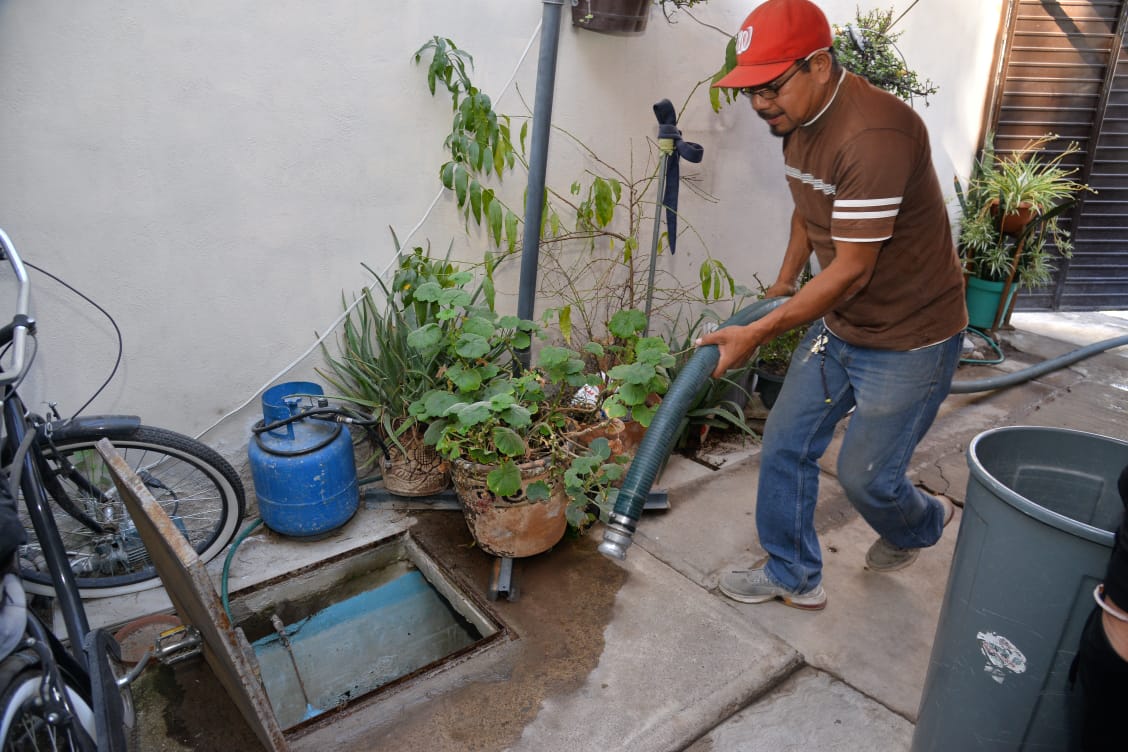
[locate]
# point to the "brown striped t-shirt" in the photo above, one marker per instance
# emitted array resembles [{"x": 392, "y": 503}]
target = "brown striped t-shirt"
[{"x": 861, "y": 171}]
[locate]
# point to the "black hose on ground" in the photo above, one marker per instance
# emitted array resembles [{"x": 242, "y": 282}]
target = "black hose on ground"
[
  {"x": 1033, "y": 372},
  {"x": 660, "y": 436}
]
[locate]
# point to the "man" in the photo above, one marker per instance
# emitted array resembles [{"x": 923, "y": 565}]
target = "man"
[
  {"x": 1102, "y": 657},
  {"x": 889, "y": 294}
]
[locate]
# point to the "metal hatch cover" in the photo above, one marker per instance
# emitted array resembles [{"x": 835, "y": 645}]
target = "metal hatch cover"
[{"x": 196, "y": 601}]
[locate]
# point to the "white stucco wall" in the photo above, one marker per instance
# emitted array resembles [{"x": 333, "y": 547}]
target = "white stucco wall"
[{"x": 214, "y": 173}]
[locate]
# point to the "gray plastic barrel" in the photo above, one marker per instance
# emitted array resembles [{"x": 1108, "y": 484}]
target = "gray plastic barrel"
[{"x": 1035, "y": 538}]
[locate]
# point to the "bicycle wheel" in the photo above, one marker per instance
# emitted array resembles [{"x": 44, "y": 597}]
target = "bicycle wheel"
[
  {"x": 25, "y": 724},
  {"x": 199, "y": 489}
]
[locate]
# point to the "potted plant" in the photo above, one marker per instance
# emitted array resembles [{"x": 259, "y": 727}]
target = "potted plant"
[
  {"x": 637, "y": 368},
  {"x": 592, "y": 278},
  {"x": 377, "y": 369},
  {"x": 1009, "y": 231},
  {"x": 590, "y": 265},
  {"x": 633, "y": 373},
  {"x": 772, "y": 361},
  {"x": 503, "y": 426}
]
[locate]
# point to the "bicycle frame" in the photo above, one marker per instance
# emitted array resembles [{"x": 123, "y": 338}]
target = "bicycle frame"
[
  {"x": 37, "y": 503},
  {"x": 20, "y": 322},
  {"x": 86, "y": 656},
  {"x": 31, "y": 484}
]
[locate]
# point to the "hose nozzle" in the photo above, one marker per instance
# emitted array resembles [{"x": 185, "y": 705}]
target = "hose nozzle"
[{"x": 617, "y": 537}]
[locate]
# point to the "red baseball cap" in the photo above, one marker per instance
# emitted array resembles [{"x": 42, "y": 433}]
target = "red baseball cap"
[{"x": 775, "y": 35}]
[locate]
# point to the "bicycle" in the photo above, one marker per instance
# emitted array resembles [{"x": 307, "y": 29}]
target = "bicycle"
[
  {"x": 72, "y": 537},
  {"x": 196, "y": 486}
]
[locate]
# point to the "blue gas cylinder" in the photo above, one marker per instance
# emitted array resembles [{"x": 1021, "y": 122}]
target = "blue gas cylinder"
[{"x": 304, "y": 472}]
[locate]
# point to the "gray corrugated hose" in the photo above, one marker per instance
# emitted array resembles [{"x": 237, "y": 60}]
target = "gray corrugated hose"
[
  {"x": 1033, "y": 372},
  {"x": 660, "y": 436}
]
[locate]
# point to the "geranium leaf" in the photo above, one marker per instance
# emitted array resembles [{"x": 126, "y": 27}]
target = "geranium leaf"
[
  {"x": 627, "y": 323},
  {"x": 425, "y": 337},
  {"x": 508, "y": 442},
  {"x": 471, "y": 346},
  {"x": 473, "y": 414},
  {"x": 466, "y": 379},
  {"x": 516, "y": 416},
  {"x": 505, "y": 479},
  {"x": 538, "y": 490}
]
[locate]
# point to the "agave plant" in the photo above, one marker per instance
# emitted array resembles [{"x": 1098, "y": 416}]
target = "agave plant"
[{"x": 375, "y": 365}]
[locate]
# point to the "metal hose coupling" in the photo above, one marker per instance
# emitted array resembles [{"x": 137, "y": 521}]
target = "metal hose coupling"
[{"x": 617, "y": 536}]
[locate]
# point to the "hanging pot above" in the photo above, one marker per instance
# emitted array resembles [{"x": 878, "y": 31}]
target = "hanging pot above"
[{"x": 611, "y": 15}]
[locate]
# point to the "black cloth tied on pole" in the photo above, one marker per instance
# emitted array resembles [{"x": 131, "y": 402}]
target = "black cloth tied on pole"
[{"x": 668, "y": 129}]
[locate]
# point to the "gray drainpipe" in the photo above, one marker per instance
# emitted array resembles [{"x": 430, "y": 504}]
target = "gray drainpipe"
[{"x": 538, "y": 159}]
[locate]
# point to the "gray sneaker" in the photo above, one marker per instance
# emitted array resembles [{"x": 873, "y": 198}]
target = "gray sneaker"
[
  {"x": 753, "y": 586},
  {"x": 883, "y": 556}
]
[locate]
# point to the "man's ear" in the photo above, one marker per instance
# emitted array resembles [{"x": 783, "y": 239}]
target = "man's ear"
[{"x": 822, "y": 67}]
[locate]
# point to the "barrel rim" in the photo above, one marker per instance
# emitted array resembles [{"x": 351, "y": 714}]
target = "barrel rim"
[{"x": 1026, "y": 506}]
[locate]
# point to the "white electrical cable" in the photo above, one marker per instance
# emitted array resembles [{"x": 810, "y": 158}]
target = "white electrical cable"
[{"x": 403, "y": 244}]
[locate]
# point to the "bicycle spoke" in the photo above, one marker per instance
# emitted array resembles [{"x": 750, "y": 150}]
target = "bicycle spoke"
[{"x": 196, "y": 488}]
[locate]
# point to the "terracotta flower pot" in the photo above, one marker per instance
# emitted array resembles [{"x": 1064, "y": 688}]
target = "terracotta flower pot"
[
  {"x": 1015, "y": 222},
  {"x": 624, "y": 436},
  {"x": 510, "y": 526}
]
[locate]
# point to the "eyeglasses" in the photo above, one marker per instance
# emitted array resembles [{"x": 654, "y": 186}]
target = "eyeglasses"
[{"x": 768, "y": 92}]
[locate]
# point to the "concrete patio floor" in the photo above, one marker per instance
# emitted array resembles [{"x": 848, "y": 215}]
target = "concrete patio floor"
[{"x": 646, "y": 654}]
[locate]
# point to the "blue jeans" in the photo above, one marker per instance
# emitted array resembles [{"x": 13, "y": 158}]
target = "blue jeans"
[{"x": 896, "y": 396}]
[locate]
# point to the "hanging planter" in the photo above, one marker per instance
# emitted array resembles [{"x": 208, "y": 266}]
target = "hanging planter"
[{"x": 623, "y": 16}]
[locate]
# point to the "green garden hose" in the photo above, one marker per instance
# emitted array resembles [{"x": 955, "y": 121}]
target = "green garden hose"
[{"x": 227, "y": 562}]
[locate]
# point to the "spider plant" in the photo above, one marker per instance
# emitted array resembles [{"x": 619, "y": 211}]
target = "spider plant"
[{"x": 1002, "y": 185}]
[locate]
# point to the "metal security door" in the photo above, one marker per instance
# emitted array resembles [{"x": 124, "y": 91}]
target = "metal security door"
[{"x": 1063, "y": 69}]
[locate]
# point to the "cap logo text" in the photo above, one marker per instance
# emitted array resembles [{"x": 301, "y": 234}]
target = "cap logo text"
[{"x": 744, "y": 39}]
